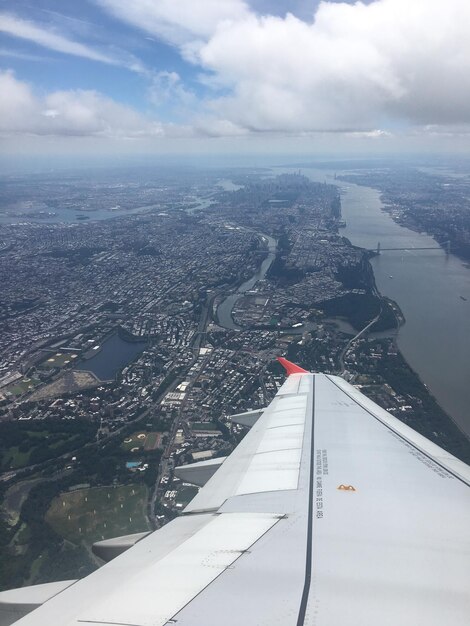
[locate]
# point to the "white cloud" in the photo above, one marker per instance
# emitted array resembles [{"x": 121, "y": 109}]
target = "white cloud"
[
  {"x": 177, "y": 21},
  {"x": 54, "y": 40},
  {"x": 218, "y": 128},
  {"x": 168, "y": 87},
  {"x": 353, "y": 67},
  {"x": 75, "y": 113},
  {"x": 86, "y": 113},
  {"x": 395, "y": 65},
  {"x": 23, "y": 29},
  {"x": 24, "y": 56},
  {"x": 17, "y": 103}
]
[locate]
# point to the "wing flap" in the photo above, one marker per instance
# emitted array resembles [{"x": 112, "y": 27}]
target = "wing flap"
[
  {"x": 182, "y": 574},
  {"x": 269, "y": 457},
  {"x": 199, "y": 473}
]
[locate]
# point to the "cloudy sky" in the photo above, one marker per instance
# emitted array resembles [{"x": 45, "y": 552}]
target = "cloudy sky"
[{"x": 275, "y": 75}]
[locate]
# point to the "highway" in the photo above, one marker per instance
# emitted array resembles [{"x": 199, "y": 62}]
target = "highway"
[{"x": 355, "y": 338}]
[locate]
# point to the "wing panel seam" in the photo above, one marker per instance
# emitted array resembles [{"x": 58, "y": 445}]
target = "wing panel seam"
[
  {"x": 173, "y": 618},
  {"x": 308, "y": 559},
  {"x": 400, "y": 435}
]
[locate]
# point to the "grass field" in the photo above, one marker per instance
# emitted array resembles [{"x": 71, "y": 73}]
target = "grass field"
[
  {"x": 13, "y": 458},
  {"x": 203, "y": 426},
  {"x": 24, "y": 385},
  {"x": 134, "y": 442},
  {"x": 141, "y": 440},
  {"x": 152, "y": 441},
  {"x": 90, "y": 515}
]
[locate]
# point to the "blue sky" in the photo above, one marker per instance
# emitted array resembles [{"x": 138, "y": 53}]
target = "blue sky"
[
  {"x": 158, "y": 75},
  {"x": 87, "y": 23}
]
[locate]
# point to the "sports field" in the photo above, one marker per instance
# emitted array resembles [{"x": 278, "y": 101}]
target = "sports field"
[
  {"x": 59, "y": 359},
  {"x": 203, "y": 426},
  {"x": 88, "y": 515},
  {"x": 152, "y": 441},
  {"x": 141, "y": 440}
]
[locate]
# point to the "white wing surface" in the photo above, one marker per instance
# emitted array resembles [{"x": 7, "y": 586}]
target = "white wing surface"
[{"x": 329, "y": 512}]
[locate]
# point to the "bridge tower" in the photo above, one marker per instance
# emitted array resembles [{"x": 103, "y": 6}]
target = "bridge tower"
[{"x": 378, "y": 247}]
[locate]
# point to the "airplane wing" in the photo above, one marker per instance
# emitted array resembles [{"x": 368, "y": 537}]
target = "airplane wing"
[{"x": 329, "y": 512}]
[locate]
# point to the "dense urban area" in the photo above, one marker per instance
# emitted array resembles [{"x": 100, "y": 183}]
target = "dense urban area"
[{"x": 139, "y": 310}]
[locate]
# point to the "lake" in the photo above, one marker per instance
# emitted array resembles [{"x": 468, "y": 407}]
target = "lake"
[{"x": 114, "y": 354}]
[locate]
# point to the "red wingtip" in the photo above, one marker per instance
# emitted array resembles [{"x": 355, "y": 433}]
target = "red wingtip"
[{"x": 291, "y": 368}]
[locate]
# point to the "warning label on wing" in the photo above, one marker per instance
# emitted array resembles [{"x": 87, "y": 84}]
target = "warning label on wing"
[{"x": 321, "y": 470}]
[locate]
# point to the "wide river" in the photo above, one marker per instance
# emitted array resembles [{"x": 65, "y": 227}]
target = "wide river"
[{"x": 428, "y": 285}]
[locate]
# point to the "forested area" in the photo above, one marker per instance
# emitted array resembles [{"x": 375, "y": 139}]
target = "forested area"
[{"x": 32, "y": 442}]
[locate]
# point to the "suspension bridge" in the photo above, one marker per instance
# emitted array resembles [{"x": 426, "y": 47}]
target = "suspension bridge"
[{"x": 445, "y": 245}]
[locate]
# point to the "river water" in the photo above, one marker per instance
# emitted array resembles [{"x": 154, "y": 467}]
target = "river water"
[
  {"x": 428, "y": 285},
  {"x": 224, "y": 310}
]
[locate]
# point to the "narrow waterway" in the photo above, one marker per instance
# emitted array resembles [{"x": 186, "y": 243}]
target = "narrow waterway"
[
  {"x": 431, "y": 288},
  {"x": 224, "y": 310}
]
